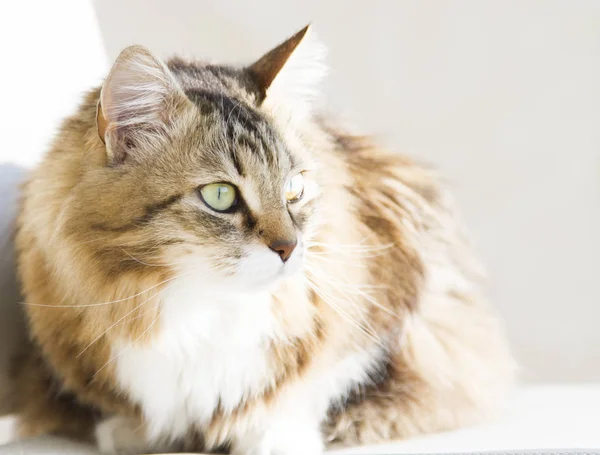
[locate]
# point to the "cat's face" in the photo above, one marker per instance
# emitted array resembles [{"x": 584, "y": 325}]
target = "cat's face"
[
  {"x": 199, "y": 177},
  {"x": 244, "y": 200}
]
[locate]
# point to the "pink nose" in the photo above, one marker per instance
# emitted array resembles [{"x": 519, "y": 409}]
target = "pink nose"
[{"x": 284, "y": 248}]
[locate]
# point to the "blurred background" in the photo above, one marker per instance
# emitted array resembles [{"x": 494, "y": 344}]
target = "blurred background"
[{"x": 502, "y": 96}]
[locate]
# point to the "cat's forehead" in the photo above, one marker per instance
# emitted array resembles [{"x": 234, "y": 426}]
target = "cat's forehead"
[
  {"x": 214, "y": 78},
  {"x": 240, "y": 137},
  {"x": 236, "y": 137}
]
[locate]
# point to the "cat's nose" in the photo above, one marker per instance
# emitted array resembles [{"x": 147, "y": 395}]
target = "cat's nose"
[{"x": 284, "y": 248}]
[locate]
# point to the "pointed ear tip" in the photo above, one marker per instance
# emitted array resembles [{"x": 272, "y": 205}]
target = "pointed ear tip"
[
  {"x": 305, "y": 31},
  {"x": 308, "y": 33}
]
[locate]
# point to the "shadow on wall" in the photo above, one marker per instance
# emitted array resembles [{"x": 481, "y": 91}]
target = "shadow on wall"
[{"x": 12, "y": 332}]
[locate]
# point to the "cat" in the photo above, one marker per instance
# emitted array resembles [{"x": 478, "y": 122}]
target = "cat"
[{"x": 210, "y": 264}]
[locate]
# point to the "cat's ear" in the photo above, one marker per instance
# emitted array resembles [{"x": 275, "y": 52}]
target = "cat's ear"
[
  {"x": 136, "y": 102},
  {"x": 292, "y": 71}
]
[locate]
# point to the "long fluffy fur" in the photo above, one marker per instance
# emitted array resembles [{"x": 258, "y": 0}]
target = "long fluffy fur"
[{"x": 384, "y": 331}]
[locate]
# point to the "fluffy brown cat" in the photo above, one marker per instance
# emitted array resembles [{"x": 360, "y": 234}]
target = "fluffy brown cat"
[{"x": 207, "y": 264}]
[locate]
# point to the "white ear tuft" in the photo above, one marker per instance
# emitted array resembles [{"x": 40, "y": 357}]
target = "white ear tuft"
[
  {"x": 303, "y": 72},
  {"x": 292, "y": 71}
]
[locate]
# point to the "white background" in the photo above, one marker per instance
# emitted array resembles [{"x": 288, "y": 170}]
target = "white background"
[{"x": 503, "y": 96}]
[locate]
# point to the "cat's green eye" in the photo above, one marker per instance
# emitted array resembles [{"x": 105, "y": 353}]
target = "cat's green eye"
[
  {"x": 220, "y": 197},
  {"x": 294, "y": 189}
]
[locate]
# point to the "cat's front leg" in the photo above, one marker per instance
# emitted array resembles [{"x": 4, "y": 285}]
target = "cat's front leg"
[{"x": 284, "y": 433}]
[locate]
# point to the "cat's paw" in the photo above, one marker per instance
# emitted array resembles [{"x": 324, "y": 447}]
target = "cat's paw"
[
  {"x": 120, "y": 436},
  {"x": 282, "y": 439}
]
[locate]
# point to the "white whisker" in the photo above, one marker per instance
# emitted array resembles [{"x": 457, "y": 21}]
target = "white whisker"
[
  {"x": 101, "y": 303},
  {"x": 349, "y": 288},
  {"x": 123, "y": 317},
  {"x": 326, "y": 298},
  {"x": 112, "y": 359},
  {"x": 170, "y": 264},
  {"x": 218, "y": 267}
]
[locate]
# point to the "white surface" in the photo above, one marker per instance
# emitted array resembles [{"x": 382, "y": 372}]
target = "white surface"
[
  {"x": 47, "y": 446},
  {"x": 541, "y": 417},
  {"x": 7, "y": 428}
]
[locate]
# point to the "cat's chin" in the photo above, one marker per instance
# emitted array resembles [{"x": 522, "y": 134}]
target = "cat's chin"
[
  {"x": 287, "y": 271},
  {"x": 253, "y": 279}
]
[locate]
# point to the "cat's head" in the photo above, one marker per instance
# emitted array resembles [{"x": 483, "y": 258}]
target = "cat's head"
[{"x": 205, "y": 168}]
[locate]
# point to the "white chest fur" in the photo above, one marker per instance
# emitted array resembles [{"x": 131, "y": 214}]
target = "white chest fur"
[{"x": 211, "y": 351}]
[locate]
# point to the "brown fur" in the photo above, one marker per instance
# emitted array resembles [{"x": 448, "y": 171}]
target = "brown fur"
[{"x": 97, "y": 228}]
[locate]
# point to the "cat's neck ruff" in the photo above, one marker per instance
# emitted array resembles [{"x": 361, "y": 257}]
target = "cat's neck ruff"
[
  {"x": 210, "y": 350},
  {"x": 210, "y": 317}
]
